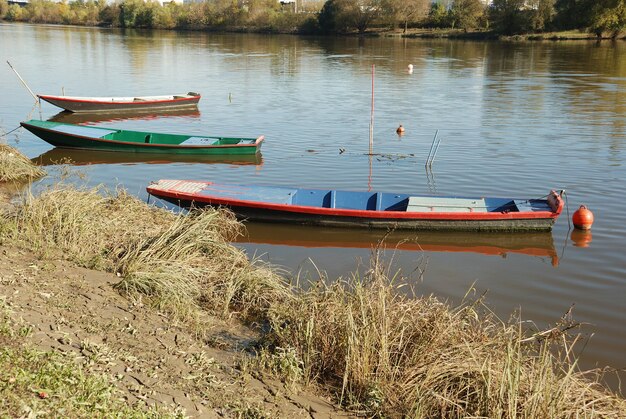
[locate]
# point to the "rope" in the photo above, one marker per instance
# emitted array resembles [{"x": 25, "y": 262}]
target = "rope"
[
  {"x": 569, "y": 220},
  {"x": 14, "y": 129}
]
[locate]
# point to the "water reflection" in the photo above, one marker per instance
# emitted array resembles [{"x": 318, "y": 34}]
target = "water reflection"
[
  {"x": 94, "y": 118},
  {"x": 530, "y": 244},
  {"x": 58, "y": 156},
  {"x": 581, "y": 238}
]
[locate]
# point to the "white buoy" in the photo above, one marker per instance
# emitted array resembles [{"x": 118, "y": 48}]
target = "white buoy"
[{"x": 410, "y": 68}]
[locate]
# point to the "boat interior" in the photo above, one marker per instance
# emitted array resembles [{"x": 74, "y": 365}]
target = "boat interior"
[
  {"x": 371, "y": 201},
  {"x": 146, "y": 137}
]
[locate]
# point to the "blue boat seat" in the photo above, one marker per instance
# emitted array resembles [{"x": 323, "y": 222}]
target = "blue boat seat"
[{"x": 83, "y": 131}]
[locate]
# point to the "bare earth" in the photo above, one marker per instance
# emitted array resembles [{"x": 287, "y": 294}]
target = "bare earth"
[{"x": 76, "y": 311}]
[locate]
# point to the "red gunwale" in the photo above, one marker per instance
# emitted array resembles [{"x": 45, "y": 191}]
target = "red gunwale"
[
  {"x": 101, "y": 102},
  {"x": 362, "y": 213},
  {"x": 256, "y": 143}
]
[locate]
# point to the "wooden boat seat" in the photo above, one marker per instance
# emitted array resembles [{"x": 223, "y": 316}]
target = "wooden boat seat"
[
  {"x": 436, "y": 204},
  {"x": 198, "y": 141},
  {"x": 84, "y": 131}
]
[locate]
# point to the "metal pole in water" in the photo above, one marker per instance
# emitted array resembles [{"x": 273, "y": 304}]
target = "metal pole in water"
[
  {"x": 432, "y": 147},
  {"x": 432, "y": 160},
  {"x": 22, "y": 80},
  {"x": 372, "y": 116}
]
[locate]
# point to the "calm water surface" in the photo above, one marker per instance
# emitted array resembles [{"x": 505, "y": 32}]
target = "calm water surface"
[{"x": 515, "y": 119}]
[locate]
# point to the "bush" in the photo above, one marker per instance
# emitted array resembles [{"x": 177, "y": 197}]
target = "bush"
[{"x": 4, "y": 8}]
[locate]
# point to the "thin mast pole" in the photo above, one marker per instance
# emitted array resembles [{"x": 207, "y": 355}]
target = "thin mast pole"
[{"x": 22, "y": 80}]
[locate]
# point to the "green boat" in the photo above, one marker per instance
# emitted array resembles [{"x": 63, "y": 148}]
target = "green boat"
[{"x": 110, "y": 139}]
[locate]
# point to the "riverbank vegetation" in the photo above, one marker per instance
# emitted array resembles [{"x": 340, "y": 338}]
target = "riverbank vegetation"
[
  {"x": 366, "y": 342},
  {"x": 459, "y": 18},
  {"x": 15, "y": 167}
]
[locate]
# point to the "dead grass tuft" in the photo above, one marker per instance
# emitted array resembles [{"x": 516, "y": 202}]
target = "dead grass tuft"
[
  {"x": 14, "y": 166},
  {"x": 388, "y": 354},
  {"x": 181, "y": 263}
]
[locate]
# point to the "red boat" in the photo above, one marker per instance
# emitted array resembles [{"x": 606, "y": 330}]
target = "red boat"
[
  {"x": 365, "y": 209},
  {"x": 117, "y": 104}
]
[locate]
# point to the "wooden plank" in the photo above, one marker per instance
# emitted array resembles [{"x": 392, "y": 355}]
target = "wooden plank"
[{"x": 436, "y": 204}]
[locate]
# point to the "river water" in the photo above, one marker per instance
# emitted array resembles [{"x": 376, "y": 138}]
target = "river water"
[{"x": 514, "y": 119}]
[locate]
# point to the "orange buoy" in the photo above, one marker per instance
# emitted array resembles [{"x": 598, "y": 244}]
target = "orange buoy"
[
  {"x": 581, "y": 238},
  {"x": 400, "y": 130},
  {"x": 582, "y": 218}
]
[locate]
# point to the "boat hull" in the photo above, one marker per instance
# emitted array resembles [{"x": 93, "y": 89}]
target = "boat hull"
[
  {"x": 190, "y": 194},
  {"x": 97, "y": 106},
  {"x": 46, "y": 131},
  {"x": 419, "y": 224}
]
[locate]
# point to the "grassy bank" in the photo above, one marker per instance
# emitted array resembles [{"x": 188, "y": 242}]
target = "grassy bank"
[
  {"x": 15, "y": 167},
  {"x": 365, "y": 342},
  {"x": 362, "y": 341}
]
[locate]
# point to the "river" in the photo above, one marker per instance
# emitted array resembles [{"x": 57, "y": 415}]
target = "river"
[{"x": 514, "y": 119}]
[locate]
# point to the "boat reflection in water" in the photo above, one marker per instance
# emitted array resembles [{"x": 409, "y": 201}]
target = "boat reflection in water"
[
  {"x": 78, "y": 157},
  {"x": 95, "y": 118},
  {"x": 539, "y": 244}
]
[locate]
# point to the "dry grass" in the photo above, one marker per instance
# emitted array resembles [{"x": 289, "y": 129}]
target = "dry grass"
[
  {"x": 388, "y": 354},
  {"x": 378, "y": 350},
  {"x": 14, "y": 166},
  {"x": 181, "y": 263}
]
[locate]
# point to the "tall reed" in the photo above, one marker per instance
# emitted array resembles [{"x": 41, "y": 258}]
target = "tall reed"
[{"x": 385, "y": 353}]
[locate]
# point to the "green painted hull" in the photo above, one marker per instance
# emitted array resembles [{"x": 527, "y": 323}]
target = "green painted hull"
[{"x": 107, "y": 139}]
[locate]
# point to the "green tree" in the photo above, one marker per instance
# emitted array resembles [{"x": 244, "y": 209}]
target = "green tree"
[
  {"x": 608, "y": 16},
  {"x": 4, "y": 8},
  {"x": 405, "y": 11},
  {"x": 542, "y": 14},
  {"x": 340, "y": 16},
  {"x": 438, "y": 16},
  {"x": 509, "y": 17},
  {"x": 572, "y": 14},
  {"x": 466, "y": 14}
]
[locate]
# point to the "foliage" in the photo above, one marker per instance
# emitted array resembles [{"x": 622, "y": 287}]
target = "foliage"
[
  {"x": 405, "y": 11},
  {"x": 4, "y": 8},
  {"x": 542, "y": 14},
  {"x": 608, "y": 16},
  {"x": 438, "y": 16},
  {"x": 572, "y": 14},
  {"x": 466, "y": 14},
  {"x": 509, "y": 17},
  {"x": 341, "y": 16},
  {"x": 506, "y": 17}
]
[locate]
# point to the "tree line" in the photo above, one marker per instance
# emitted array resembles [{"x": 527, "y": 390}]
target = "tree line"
[{"x": 501, "y": 17}]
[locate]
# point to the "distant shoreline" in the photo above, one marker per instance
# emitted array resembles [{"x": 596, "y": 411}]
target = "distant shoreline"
[{"x": 418, "y": 33}]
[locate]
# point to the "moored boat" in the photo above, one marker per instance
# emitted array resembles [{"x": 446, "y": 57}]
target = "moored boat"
[
  {"x": 126, "y": 103},
  {"x": 365, "y": 209},
  {"x": 111, "y": 139}
]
